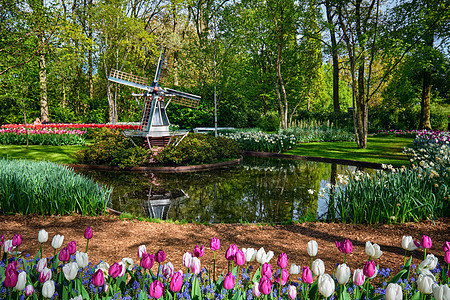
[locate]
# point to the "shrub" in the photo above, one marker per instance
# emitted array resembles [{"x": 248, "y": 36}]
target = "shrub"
[
  {"x": 269, "y": 122},
  {"x": 110, "y": 147},
  {"x": 197, "y": 149},
  {"x": 47, "y": 188}
]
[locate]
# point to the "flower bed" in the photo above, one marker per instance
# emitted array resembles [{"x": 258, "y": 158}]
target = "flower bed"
[
  {"x": 42, "y": 136},
  {"x": 70, "y": 275},
  {"x": 74, "y": 126}
]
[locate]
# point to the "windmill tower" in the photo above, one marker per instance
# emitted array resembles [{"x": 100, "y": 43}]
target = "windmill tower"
[{"x": 154, "y": 122}]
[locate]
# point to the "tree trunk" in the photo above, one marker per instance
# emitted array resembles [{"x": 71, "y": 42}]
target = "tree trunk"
[
  {"x": 334, "y": 54},
  {"x": 361, "y": 108},
  {"x": 43, "y": 83},
  {"x": 425, "y": 104},
  {"x": 284, "y": 107}
]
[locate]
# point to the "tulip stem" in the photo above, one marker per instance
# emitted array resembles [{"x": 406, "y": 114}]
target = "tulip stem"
[
  {"x": 87, "y": 244},
  {"x": 345, "y": 257},
  {"x": 404, "y": 261},
  {"x": 311, "y": 262},
  {"x": 425, "y": 254},
  {"x": 41, "y": 251},
  {"x": 214, "y": 266}
]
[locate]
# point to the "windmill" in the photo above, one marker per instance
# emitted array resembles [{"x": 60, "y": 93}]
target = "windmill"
[{"x": 154, "y": 121}]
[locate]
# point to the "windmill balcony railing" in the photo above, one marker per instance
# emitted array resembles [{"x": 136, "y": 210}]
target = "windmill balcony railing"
[{"x": 128, "y": 77}]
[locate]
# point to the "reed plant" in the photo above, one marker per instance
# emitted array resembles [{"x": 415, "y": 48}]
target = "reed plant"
[{"x": 45, "y": 188}]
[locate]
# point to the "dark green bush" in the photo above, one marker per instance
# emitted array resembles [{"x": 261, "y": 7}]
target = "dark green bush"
[
  {"x": 110, "y": 147},
  {"x": 270, "y": 121},
  {"x": 197, "y": 149}
]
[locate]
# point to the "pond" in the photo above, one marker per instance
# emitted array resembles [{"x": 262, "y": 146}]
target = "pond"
[{"x": 260, "y": 190}]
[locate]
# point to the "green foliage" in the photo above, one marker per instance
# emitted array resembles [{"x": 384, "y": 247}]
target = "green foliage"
[
  {"x": 17, "y": 136},
  {"x": 110, "y": 147},
  {"x": 269, "y": 121},
  {"x": 45, "y": 188},
  {"x": 197, "y": 149},
  {"x": 314, "y": 118}
]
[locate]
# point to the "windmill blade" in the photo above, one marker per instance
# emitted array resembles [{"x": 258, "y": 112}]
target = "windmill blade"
[
  {"x": 128, "y": 79},
  {"x": 183, "y": 98},
  {"x": 159, "y": 67},
  {"x": 183, "y": 94}
]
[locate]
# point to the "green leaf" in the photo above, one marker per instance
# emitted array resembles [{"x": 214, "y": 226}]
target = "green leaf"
[
  {"x": 142, "y": 295},
  {"x": 196, "y": 293},
  {"x": 313, "y": 290},
  {"x": 416, "y": 296},
  {"x": 345, "y": 295},
  {"x": 257, "y": 276},
  {"x": 237, "y": 296}
]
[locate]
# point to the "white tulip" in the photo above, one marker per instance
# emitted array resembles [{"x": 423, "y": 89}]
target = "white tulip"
[
  {"x": 262, "y": 257},
  {"x": 42, "y": 236},
  {"x": 21, "y": 281},
  {"x": 41, "y": 265},
  {"x": 128, "y": 262},
  {"x": 70, "y": 270},
  {"x": 8, "y": 246},
  {"x": 318, "y": 267},
  {"x": 141, "y": 250},
  {"x": 250, "y": 254},
  {"x": 408, "y": 243},
  {"x": 104, "y": 266},
  {"x": 79, "y": 297},
  {"x": 123, "y": 270},
  {"x": 168, "y": 270},
  {"x": 373, "y": 250},
  {"x": 394, "y": 292},
  {"x": 187, "y": 258},
  {"x": 48, "y": 289},
  {"x": 195, "y": 265},
  {"x": 425, "y": 282},
  {"x": 429, "y": 263},
  {"x": 312, "y": 248},
  {"x": 343, "y": 274},
  {"x": 82, "y": 259},
  {"x": 441, "y": 292},
  {"x": 57, "y": 241},
  {"x": 269, "y": 256},
  {"x": 294, "y": 270},
  {"x": 326, "y": 285}
]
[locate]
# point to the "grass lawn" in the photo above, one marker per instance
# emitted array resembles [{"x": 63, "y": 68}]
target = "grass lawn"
[
  {"x": 58, "y": 154},
  {"x": 380, "y": 149}
]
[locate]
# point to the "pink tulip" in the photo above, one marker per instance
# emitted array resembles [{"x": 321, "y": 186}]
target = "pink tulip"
[
  {"x": 425, "y": 242},
  {"x": 98, "y": 279},
  {"x": 446, "y": 246},
  {"x": 229, "y": 281},
  {"x": 239, "y": 257},
  {"x": 156, "y": 289},
  {"x": 266, "y": 270},
  {"x": 256, "y": 291},
  {"x": 282, "y": 261},
  {"x": 214, "y": 244},
  {"x": 195, "y": 265},
  {"x": 292, "y": 292},
  {"x": 187, "y": 258},
  {"x": 199, "y": 251},
  {"x": 29, "y": 290},
  {"x": 160, "y": 256},
  {"x": 177, "y": 282},
  {"x": 41, "y": 265},
  {"x": 358, "y": 277},
  {"x": 45, "y": 275},
  {"x": 345, "y": 247},
  {"x": 231, "y": 252},
  {"x": 88, "y": 233},
  {"x": 72, "y": 247},
  {"x": 265, "y": 285},
  {"x": 307, "y": 276},
  {"x": 369, "y": 268},
  {"x": 283, "y": 276},
  {"x": 17, "y": 240},
  {"x": 447, "y": 256},
  {"x": 11, "y": 275},
  {"x": 142, "y": 250},
  {"x": 115, "y": 270},
  {"x": 167, "y": 270},
  {"x": 147, "y": 261},
  {"x": 64, "y": 255}
]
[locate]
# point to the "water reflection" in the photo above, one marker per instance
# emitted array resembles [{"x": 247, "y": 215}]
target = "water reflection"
[{"x": 259, "y": 190}]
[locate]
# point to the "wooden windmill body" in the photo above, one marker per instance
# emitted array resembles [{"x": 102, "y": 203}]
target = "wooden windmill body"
[{"x": 154, "y": 122}]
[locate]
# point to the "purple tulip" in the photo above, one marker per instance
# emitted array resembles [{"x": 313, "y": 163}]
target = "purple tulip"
[
  {"x": 282, "y": 261},
  {"x": 229, "y": 281},
  {"x": 239, "y": 258},
  {"x": 425, "y": 242},
  {"x": 446, "y": 246},
  {"x": 283, "y": 276},
  {"x": 199, "y": 251},
  {"x": 88, "y": 233},
  {"x": 147, "y": 261},
  {"x": 345, "y": 247},
  {"x": 307, "y": 276},
  {"x": 156, "y": 289},
  {"x": 214, "y": 244},
  {"x": 11, "y": 275},
  {"x": 231, "y": 252},
  {"x": 17, "y": 240},
  {"x": 72, "y": 246},
  {"x": 369, "y": 268},
  {"x": 160, "y": 256},
  {"x": 447, "y": 256},
  {"x": 29, "y": 290},
  {"x": 265, "y": 285},
  {"x": 98, "y": 278},
  {"x": 45, "y": 275},
  {"x": 2, "y": 240},
  {"x": 177, "y": 282},
  {"x": 266, "y": 270},
  {"x": 115, "y": 270},
  {"x": 64, "y": 255}
]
